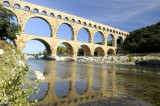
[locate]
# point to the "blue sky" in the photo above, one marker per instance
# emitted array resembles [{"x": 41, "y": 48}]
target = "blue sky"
[{"x": 127, "y": 15}]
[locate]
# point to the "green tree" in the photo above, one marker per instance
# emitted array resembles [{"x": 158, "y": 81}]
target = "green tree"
[
  {"x": 144, "y": 40},
  {"x": 61, "y": 50},
  {"x": 8, "y": 29}
]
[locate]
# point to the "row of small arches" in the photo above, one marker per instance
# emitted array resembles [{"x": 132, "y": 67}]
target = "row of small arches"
[{"x": 35, "y": 10}]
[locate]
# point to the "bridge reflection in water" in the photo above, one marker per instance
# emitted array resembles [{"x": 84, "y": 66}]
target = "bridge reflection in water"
[{"x": 72, "y": 84}]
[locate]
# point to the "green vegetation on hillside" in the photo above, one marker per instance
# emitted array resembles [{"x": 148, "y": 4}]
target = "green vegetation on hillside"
[
  {"x": 13, "y": 88},
  {"x": 144, "y": 40}
]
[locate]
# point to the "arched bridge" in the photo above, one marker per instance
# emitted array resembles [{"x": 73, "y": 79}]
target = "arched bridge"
[{"x": 25, "y": 11}]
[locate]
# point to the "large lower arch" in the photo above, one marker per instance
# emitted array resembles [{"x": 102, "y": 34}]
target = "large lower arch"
[
  {"x": 84, "y": 35},
  {"x": 47, "y": 46},
  {"x": 65, "y": 31},
  {"x": 110, "y": 40},
  {"x": 110, "y": 51},
  {"x": 86, "y": 50},
  {"x": 38, "y": 26},
  {"x": 99, "y": 38},
  {"x": 69, "y": 48},
  {"x": 100, "y": 52},
  {"x": 119, "y": 41}
]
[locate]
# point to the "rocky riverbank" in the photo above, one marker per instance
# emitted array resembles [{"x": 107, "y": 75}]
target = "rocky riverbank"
[{"x": 127, "y": 59}]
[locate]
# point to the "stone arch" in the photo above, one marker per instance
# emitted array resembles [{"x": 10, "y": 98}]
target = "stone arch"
[
  {"x": 102, "y": 35},
  {"x": 110, "y": 51},
  {"x": 78, "y": 22},
  {"x": 88, "y": 32},
  {"x": 110, "y": 40},
  {"x": 100, "y": 51},
  {"x": 35, "y": 10},
  {"x": 66, "y": 18},
  {"x": 73, "y": 20},
  {"x": 59, "y": 16},
  {"x": 50, "y": 28},
  {"x": 86, "y": 50},
  {"x": 45, "y": 43},
  {"x": 27, "y": 8},
  {"x": 51, "y": 15},
  {"x": 6, "y": 3},
  {"x": 17, "y": 6},
  {"x": 71, "y": 28},
  {"x": 84, "y": 23},
  {"x": 44, "y": 13},
  {"x": 69, "y": 48},
  {"x": 99, "y": 27}
]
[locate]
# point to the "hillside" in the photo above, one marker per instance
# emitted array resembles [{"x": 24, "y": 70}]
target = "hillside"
[{"x": 144, "y": 40}]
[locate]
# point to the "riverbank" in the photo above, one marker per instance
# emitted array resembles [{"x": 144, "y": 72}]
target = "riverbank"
[{"x": 127, "y": 59}]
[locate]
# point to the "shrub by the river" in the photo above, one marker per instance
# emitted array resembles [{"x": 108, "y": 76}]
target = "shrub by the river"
[
  {"x": 12, "y": 77},
  {"x": 130, "y": 57}
]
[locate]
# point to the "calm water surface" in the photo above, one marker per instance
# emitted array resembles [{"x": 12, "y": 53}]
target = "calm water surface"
[{"x": 73, "y": 83}]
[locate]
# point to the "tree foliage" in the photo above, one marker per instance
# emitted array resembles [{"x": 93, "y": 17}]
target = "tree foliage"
[
  {"x": 8, "y": 29},
  {"x": 144, "y": 40},
  {"x": 61, "y": 50}
]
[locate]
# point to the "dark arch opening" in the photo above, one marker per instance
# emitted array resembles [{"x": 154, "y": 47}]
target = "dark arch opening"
[
  {"x": 119, "y": 44},
  {"x": 37, "y": 46},
  {"x": 84, "y": 50},
  {"x": 110, "y": 52},
  {"x": 16, "y": 6},
  {"x": 59, "y": 16},
  {"x": 6, "y": 3},
  {"x": 110, "y": 40},
  {"x": 99, "y": 38},
  {"x": 35, "y": 11},
  {"x": 73, "y": 20},
  {"x": 84, "y": 35},
  {"x": 65, "y": 31},
  {"x": 38, "y": 26},
  {"x": 99, "y": 52},
  {"x": 65, "y": 52},
  {"x": 44, "y": 13},
  {"x": 26, "y": 8},
  {"x": 119, "y": 41},
  {"x": 66, "y": 18},
  {"x": 51, "y": 15},
  {"x": 78, "y": 22}
]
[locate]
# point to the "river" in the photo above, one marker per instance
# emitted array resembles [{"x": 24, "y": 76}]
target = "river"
[{"x": 78, "y": 83}]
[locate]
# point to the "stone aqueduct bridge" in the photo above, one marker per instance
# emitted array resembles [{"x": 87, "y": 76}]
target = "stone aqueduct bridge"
[{"x": 55, "y": 19}]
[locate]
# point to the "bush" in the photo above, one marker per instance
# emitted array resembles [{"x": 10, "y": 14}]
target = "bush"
[
  {"x": 130, "y": 57},
  {"x": 12, "y": 77}
]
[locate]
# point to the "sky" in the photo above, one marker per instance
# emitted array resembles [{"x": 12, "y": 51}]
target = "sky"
[{"x": 127, "y": 15}]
